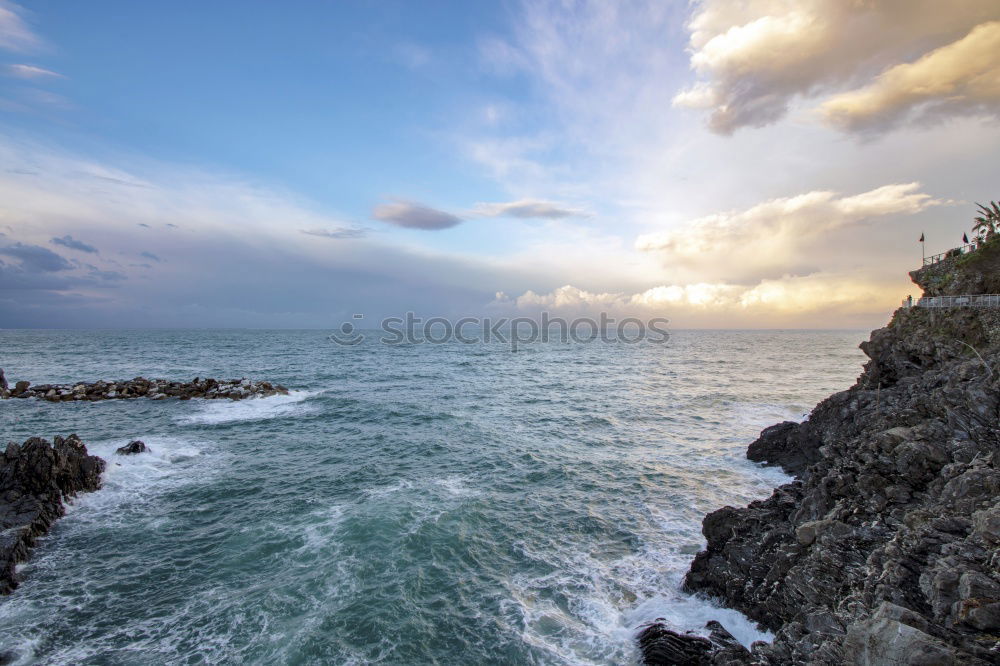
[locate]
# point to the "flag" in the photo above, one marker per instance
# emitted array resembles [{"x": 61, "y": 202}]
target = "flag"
[
  {"x": 921, "y": 238},
  {"x": 965, "y": 238}
]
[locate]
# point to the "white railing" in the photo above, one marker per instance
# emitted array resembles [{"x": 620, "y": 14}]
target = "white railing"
[
  {"x": 954, "y": 252},
  {"x": 967, "y": 301}
]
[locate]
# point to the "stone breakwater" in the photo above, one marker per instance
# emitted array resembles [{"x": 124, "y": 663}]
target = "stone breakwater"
[
  {"x": 140, "y": 387},
  {"x": 35, "y": 479},
  {"x": 886, "y": 547}
]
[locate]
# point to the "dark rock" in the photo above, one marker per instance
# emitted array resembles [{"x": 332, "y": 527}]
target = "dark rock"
[
  {"x": 35, "y": 479},
  {"x": 660, "y": 645},
  {"x": 154, "y": 389},
  {"x": 132, "y": 448},
  {"x": 786, "y": 444}
]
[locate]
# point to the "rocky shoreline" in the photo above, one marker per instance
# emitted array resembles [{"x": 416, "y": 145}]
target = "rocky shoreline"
[
  {"x": 140, "y": 387},
  {"x": 886, "y": 547},
  {"x": 36, "y": 478}
]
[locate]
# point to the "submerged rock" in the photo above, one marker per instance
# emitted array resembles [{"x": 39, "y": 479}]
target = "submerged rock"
[
  {"x": 153, "y": 389},
  {"x": 132, "y": 448},
  {"x": 886, "y": 548},
  {"x": 35, "y": 479}
]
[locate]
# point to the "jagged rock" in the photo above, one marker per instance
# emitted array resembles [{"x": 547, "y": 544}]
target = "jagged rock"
[
  {"x": 886, "y": 547},
  {"x": 154, "y": 389},
  {"x": 661, "y": 646},
  {"x": 35, "y": 479},
  {"x": 890, "y": 637},
  {"x": 132, "y": 448}
]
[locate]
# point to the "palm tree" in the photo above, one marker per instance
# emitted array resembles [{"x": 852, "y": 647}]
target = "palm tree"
[{"x": 987, "y": 223}]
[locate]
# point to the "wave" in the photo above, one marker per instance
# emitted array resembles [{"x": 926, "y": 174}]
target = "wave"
[
  {"x": 217, "y": 412},
  {"x": 129, "y": 482}
]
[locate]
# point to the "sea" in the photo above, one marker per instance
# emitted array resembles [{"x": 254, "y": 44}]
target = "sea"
[{"x": 414, "y": 503}]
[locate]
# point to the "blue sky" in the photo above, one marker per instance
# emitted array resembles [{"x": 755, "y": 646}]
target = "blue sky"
[{"x": 761, "y": 164}]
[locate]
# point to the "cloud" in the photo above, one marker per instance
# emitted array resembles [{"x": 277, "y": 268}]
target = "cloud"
[
  {"x": 755, "y": 58},
  {"x": 412, "y": 56},
  {"x": 30, "y": 72},
  {"x": 337, "y": 232},
  {"x": 769, "y": 238},
  {"x": 73, "y": 244},
  {"x": 804, "y": 300},
  {"x": 15, "y": 35},
  {"x": 35, "y": 258},
  {"x": 419, "y": 216},
  {"x": 108, "y": 276},
  {"x": 241, "y": 261},
  {"x": 960, "y": 78},
  {"x": 415, "y": 216},
  {"x": 527, "y": 208}
]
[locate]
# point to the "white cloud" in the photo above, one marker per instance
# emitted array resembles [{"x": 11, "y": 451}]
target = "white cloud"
[
  {"x": 15, "y": 35},
  {"x": 31, "y": 72},
  {"x": 962, "y": 77},
  {"x": 807, "y": 300},
  {"x": 754, "y": 58},
  {"x": 527, "y": 208},
  {"x": 769, "y": 237}
]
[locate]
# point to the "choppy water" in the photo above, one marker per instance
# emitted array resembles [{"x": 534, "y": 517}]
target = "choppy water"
[{"x": 423, "y": 504}]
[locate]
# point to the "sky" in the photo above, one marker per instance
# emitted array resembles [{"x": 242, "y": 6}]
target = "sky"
[{"x": 723, "y": 164}]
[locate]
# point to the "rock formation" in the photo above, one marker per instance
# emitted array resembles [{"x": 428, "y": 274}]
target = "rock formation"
[
  {"x": 35, "y": 479},
  {"x": 886, "y": 548},
  {"x": 132, "y": 448},
  {"x": 154, "y": 389}
]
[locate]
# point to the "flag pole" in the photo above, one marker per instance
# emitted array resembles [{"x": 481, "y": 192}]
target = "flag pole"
[{"x": 923, "y": 250}]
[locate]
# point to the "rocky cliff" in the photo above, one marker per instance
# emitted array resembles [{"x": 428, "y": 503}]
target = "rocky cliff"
[
  {"x": 886, "y": 548},
  {"x": 35, "y": 479}
]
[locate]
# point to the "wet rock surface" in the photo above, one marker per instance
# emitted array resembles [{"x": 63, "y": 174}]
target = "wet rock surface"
[
  {"x": 36, "y": 478},
  {"x": 661, "y": 645},
  {"x": 132, "y": 448},
  {"x": 886, "y": 547},
  {"x": 153, "y": 389}
]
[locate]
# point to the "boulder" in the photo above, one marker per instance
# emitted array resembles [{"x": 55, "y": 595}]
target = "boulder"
[{"x": 132, "y": 448}]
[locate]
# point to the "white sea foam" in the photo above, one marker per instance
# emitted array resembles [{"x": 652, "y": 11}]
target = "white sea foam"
[
  {"x": 215, "y": 412},
  {"x": 456, "y": 486},
  {"x": 589, "y": 608},
  {"x": 318, "y": 532},
  {"x": 169, "y": 462}
]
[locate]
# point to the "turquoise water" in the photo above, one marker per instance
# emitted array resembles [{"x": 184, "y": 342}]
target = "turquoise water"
[{"x": 421, "y": 504}]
